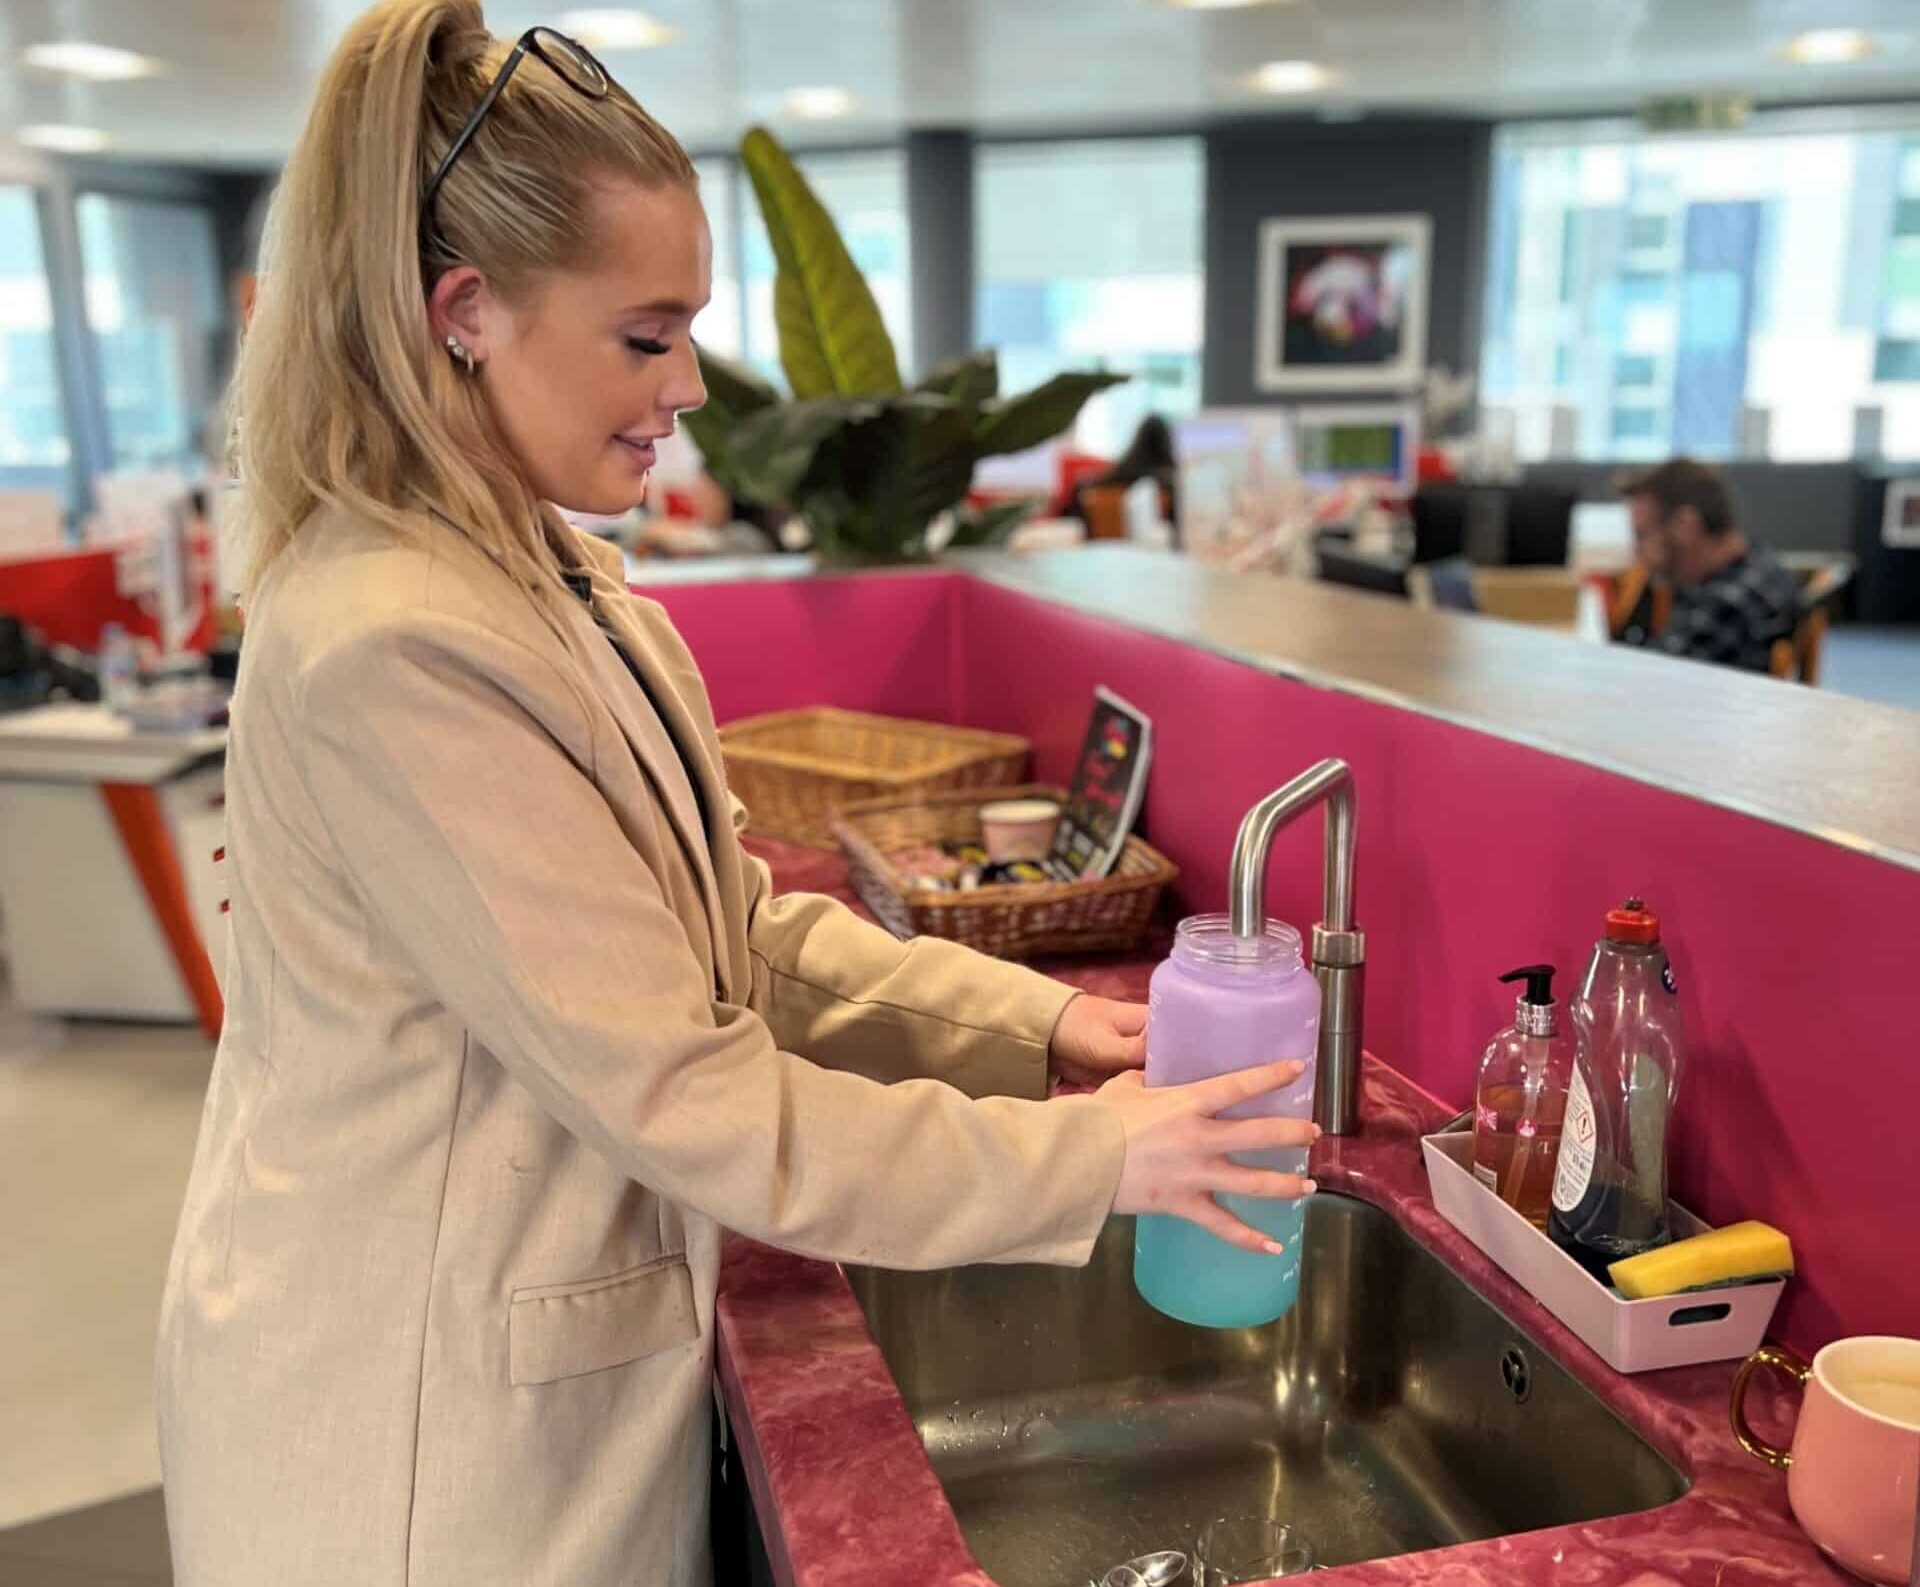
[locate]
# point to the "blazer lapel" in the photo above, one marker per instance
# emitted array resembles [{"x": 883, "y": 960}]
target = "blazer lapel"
[
  {"x": 658, "y": 742},
  {"x": 685, "y": 698}
]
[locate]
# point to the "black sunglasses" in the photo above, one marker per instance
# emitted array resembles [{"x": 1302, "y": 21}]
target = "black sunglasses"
[{"x": 568, "y": 59}]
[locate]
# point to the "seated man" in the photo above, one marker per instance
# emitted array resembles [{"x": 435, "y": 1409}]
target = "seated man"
[{"x": 1731, "y": 599}]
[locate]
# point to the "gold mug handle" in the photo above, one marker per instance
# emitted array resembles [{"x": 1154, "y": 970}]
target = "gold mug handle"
[{"x": 1781, "y": 1360}]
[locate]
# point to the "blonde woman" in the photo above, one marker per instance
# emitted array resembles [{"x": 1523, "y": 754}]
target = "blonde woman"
[{"x": 515, "y": 1027}]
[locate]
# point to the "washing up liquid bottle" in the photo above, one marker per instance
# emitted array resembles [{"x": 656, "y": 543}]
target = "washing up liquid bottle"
[
  {"x": 1222, "y": 1003},
  {"x": 1610, "y": 1190},
  {"x": 1522, "y": 1096}
]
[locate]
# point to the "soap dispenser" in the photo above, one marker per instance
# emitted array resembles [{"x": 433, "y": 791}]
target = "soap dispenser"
[{"x": 1522, "y": 1099}]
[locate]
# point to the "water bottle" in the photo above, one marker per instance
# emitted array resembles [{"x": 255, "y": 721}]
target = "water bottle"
[
  {"x": 119, "y": 668},
  {"x": 1219, "y": 1004}
]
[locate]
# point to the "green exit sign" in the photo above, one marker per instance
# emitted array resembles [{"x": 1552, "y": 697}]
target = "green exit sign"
[{"x": 1695, "y": 113}]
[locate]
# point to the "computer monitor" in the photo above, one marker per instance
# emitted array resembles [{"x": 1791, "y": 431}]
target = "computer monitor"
[
  {"x": 1246, "y": 469},
  {"x": 1337, "y": 443}
]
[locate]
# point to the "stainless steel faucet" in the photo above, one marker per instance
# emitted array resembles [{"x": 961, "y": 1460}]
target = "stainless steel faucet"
[{"x": 1339, "y": 954}]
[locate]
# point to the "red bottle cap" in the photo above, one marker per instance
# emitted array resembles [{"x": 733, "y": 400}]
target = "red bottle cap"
[{"x": 1633, "y": 922}]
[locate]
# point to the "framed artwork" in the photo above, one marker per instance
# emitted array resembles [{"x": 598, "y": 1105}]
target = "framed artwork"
[{"x": 1342, "y": 304}]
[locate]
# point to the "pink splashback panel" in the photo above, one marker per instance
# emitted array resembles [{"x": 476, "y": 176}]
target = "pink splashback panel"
[
  {"x": 881, "y": 643},
  {"x": 1800, "y": 960}
]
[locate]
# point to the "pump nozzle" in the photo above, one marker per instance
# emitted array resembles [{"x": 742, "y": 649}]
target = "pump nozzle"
[
  {"x": 1539, "y": 979},
  {"x": 1535, "y": 1015}
]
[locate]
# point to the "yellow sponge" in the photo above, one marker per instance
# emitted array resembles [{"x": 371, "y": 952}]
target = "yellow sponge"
[{"x": 1733, "y": 1255}]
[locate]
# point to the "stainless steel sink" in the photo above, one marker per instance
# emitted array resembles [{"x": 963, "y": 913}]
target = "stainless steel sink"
[{"x": 1392, "y": 1410}]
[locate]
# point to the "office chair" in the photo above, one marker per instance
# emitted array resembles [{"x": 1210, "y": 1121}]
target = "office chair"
[
  {"x": 1539, "y": 526},
  {"x": 1820, "y": 587},
  {"x": 1439, "y": 514}
]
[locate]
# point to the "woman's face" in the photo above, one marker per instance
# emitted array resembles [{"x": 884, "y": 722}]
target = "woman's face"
[{"x": 590, "y": 370}]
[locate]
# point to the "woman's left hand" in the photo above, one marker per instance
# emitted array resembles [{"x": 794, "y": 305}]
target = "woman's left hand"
[{"x": 1096, "y": 1039}]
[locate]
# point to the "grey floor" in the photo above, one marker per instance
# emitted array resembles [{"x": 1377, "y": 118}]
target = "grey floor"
[
  {"x": 122, "y": 1543},
  {"x": 97, "y": 1123},
  {"x": 1880, "y": 664}
]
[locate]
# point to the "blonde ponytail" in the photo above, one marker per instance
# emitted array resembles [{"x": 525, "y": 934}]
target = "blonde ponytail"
[{"x": 341, "y": 396}]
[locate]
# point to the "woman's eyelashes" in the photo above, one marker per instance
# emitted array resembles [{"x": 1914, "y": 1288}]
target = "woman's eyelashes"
[{"x": 647, "y": 345}]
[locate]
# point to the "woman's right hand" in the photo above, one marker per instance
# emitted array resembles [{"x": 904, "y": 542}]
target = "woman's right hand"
[{"x": 1179, "y": 1152}]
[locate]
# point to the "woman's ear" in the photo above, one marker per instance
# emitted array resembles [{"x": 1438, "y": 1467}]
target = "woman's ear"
[{"x": 457, "y": 307}]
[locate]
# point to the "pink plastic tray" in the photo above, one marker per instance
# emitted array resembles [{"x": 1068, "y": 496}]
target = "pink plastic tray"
[{"x": 1629, "y": 1335}]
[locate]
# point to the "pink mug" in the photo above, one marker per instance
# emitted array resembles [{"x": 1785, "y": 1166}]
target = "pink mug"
[{"x": 1855, "y": 1462}]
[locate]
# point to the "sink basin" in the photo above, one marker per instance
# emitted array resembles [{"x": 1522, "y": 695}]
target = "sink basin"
[{"x": 1393, "y": 1410}]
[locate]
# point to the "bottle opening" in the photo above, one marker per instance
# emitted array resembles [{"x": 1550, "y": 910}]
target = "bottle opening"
[
  {"x": 1209, "y": 940},
  {"x": 1634, "y": 923}
]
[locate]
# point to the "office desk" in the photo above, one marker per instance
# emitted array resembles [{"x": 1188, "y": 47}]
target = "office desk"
[{"x": 108, "y": 875}]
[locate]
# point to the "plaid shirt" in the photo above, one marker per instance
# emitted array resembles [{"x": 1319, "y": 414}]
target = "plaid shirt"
[{"x": 1733, "y": 618}]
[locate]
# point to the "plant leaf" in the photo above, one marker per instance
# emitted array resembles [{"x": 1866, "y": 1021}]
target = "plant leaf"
[
  {"x": 832, "y": 339},
  {"x": 878, "y": 476},
  {"x": 712, "y": 431},
  {"x": 991, "y": 524},
  {"x": 905, "y": 462},
  {"x": 971, "y": 381},
  {"x": 774, "y": 449},
  {"x": 1038, "y": 415},
  {"x": 733, "y": 393},
  {"x": 939, "y": 461},
  {"x": 876, "y": 470},
  {"x": 732, "y": 386}
]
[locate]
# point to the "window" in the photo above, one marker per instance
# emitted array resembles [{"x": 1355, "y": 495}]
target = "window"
[
  {"x": 866, "y": 193},
  {"x": 153, "y": 299},
  {"x": 722, "y": 327},
  {"x": 1090, "y": 255},
  {"x": 33, "y": 424},
  {"x": 1718, "y": 294}
]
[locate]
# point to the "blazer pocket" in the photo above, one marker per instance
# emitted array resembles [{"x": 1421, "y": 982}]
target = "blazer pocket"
[{"x": 563, "y": 1330}]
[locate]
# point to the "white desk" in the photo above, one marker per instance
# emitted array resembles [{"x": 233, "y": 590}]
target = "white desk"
[
  {"x": 88, "y": 743},
  {"x": 108, "y": 871}
]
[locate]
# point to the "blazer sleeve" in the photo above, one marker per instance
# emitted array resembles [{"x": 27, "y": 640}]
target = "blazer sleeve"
[
  {"x": 445, "y": 760},
  {"x": 849, "y": 994}
]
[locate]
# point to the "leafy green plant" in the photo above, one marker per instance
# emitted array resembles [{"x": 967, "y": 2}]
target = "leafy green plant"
[{"x": 867, "y": 463}]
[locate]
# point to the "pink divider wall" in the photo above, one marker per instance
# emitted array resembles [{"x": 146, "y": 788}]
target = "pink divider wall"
[
  {"x": 1800, "y": 960},
  {"x": 869, "y": 643}
]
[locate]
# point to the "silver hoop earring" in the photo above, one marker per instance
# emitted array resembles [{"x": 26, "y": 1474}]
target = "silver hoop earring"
[{"x": 462, "y": 354}]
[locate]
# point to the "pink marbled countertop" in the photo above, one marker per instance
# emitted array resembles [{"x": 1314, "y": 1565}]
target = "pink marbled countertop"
[{"x": 847, "y": 1498}]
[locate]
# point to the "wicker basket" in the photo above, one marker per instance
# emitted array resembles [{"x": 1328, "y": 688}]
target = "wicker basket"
[
  {"x": 795, "y": 768},
  {"x": 1015, "y": 921}
]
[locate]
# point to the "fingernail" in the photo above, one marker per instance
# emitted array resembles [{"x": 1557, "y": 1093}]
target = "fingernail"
[
  {"x": 1318, "y": 1132},
  {"x": 1310, "y": 1187},
  {"x": 1275, "y": 1248}
]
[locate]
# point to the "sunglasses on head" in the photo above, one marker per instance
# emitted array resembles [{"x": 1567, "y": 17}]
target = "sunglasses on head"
[{"x": 568, "y": 59}]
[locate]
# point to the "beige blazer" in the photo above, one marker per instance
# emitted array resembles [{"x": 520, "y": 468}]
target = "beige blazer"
[{"x": 508, "y": 1043}]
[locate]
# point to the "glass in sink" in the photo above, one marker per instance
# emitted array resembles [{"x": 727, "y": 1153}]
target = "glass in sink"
[{"x": 1392, "y": 1410}]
